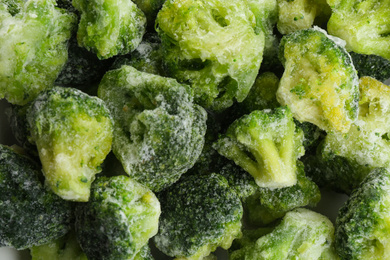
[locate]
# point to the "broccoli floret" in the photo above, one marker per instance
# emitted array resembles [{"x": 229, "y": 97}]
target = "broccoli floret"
[
  {"x": 13, "y": 6},
  {"x": 150, "y": 9},
  {"x": 145, "y": 253},
  {"x": 302, "y": 234},
  {"x": 364, "y": 25},
  {"x": 199, "y": 214},
  {"x": 371, "y": 65},
  {"x": 212, "y": 45},
  {"x": 319, "y": 84},
  {"x": 118, "y": 220},
  {"x": 159, "y": 132},
  {"x": 265, "y": 144},
  {"x": 73, "y": 134},
  {"x": 110, "y": 27},
  {"x": 30, "y": 214},
  {"x": 33, "y": 48},
  {"x": 362, "y": 224},
  {"x": 312, "y": 134}
]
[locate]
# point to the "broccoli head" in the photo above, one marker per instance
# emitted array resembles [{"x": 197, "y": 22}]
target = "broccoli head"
[
  {"x": 371, "y": 65},
  {"x": 33, "y": 48},
  {"x": 110, "y": 27},
  {"x": 213, "y": 46},
  {"x": 362, "y": 225},
  {"x": 73, "y": 134},
  {"x": 30, "y": 214},
  {"x": 320, "y": 83},
  {"x": 150, "y": 9},
  {"x": 118, "y": 220},
  {"x": 159, "y": 132},
  {"x": 199, "y": 214},
  {"x": 266, "y": 144}
]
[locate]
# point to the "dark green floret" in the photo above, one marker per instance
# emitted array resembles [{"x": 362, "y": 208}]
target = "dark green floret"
[
  {"x": 371, "y": 65},
  {"x": 199, "y": 214},
  {"x": 30, "y": 214}
]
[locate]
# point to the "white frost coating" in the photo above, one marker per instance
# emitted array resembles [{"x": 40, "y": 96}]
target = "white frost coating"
[{"x": 340, "y": 42}]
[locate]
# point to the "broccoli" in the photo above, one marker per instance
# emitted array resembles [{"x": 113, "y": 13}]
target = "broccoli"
[
  {"x": 118, "y": 220},
  {"x": 266, "y": 144},
  {"x": 320, "y": 83},
  {"x": 199, "y": 214},
  {"x": 146, "y": 109},
  {"x": 362, "y": 224},
  {"x": 312, "y": 134},
  {"x": 364, "y": 25},
  {"x": 150, "y": 9},
  {"x": 213, "y": 46},
  {"x": 302, "y": 234},
  {"x": 13, "y": 6},
  {"x": 30, "y": 214},
  {"x": 33, "y": 48},
  {"x": 73, "y": 134},
  {"x": 111, "y": 27},
  {"x": 371, "y": 65}
]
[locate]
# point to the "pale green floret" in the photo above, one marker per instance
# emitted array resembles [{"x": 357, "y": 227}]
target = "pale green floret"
[
  {"x": 118, "y": 220},
  {"x": 33, "y": 48},
  {"x": 364, "y": 25},
  {"x": 109, "y": 27},
  {"x": 73, "y": 134},
  {"x": 213, "y": 46},
  {"x": 302, "y": 234},
  {"x": 265, "y": 144}
]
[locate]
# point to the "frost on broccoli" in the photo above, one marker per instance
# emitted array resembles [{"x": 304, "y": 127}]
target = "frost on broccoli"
[
  {"x": 150, "y": 9},
  {"x": 371, "y": 65},
  {"x": 146, "y": 109},
  {"x": 109, "y": 28},
  {"x": 364, "y": 25},
  {"x": 33, "y": 48},
  {"x": 302, "y": 234},
  {"x": 199, "y": 214},
  {"x": 362, "y": 225},
  {"x": 73, "y": 134},
  {"x": 30, "y": 214},
  {"x": 213, "y": 46},
  {"x": 265, "y": 144},
  {"x": 319, "y": 84},
  {"x": 118, "y": 220}
]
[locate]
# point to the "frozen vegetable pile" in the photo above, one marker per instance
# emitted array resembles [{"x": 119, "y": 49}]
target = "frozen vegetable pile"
[{"x": 153, "y": 128}]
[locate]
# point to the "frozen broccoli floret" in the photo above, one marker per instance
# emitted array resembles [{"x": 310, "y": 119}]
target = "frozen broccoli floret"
[
  {"x": 118, "y": 220},
  {"x": 266, "y": 205},
  {"x": 66, "y": 4},
  {"x": 296, "y": 15},
  {"x": 145, "y": 253},
  {"x": 159, "y": 132},
  {"x": 364, "y": 25},
  {"x": 13, "y": 6},
  {"x": 302, "y": 234},
  {"x": 213, "y": 46},
  {"x": 111, "y": 27},
  {"x": 371, "y": 65},
  {"x": 199, "y": 214},
  {"x": 362, "y": 224},
  {"x": 150, "y": 9},
  {"x": 312, "y": 134},
  {"x": 319, "y": 84},
  {"x": 30, "y": 214},
  {"x": 33, "y": 48},
  {"x": 265, "y": 144},
  {"x": 73, "y": 133}
]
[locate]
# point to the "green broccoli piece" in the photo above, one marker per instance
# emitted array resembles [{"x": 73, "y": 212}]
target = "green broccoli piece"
[
  {"x": 302, "y": 234},
  {"x": 320, "y": 83},
  {"x": 312, "y": 134},
  {"x": 371, "y": 65},
  {"x": 13, "y": 6},
  {"x": 364, "y": 25},
  {"x": 362, "y": 224},
  {"x": 265, "y": 144},
  {"x": 150, "y": 9},
  {"x": 73, "y": 134},
  {"x": 146, "y": 109},
  {"x": 118, "y": 220},
  {"x": 30, "y": 214},
  {"x": 145, "y": 253},
  {"x": 33, "y": 47},
  {"x": 213, "y": 46},
  {"x": 199, "y": 214},
  {"x": 110, "y": 27}
]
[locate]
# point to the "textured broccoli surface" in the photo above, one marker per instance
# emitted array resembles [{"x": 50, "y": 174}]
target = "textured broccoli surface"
[
  {"x": 362, "y": 224},
  {"x": 371, "y": 65},
  {"x": 319, "y": 84},
  {"x": 213, "y": 46},
  {"x": 265, "y": 144},
  {"x": 312, "y": 134},
  {"x": 150, "y": 8},
  {"x": 199, "y": 214},
  {"x": 30, "y": 214},
  {"x": 159, "y": 132},
  {"x": 73, "y": 134},
  {"x": 118, "y": 220},
  {"x": 110, "y": 27},
  {"x": 33, "y": 48}
]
